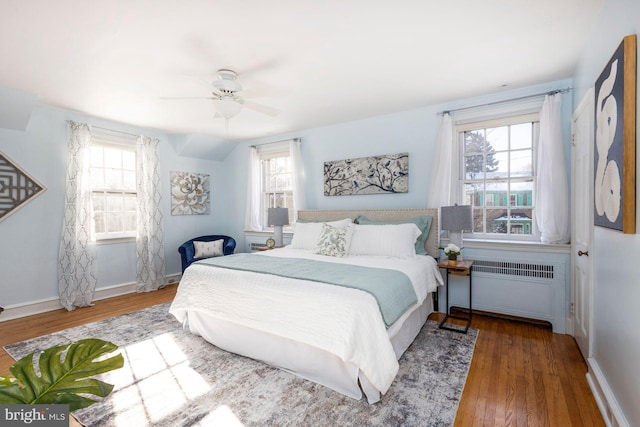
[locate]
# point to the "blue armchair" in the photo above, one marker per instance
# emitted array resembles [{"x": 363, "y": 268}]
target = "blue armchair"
[{"x": 187, "y": 250}]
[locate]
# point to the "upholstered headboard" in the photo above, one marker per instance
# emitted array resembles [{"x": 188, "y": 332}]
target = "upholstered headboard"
[{"x": 382, "y": 215}]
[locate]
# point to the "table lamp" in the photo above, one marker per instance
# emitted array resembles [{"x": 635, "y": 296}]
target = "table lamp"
[
  {"x": 277, "y": 217},
  {"x": 456, "y": 219}
]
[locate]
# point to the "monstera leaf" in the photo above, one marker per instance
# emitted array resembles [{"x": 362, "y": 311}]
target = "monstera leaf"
[{"x": 63, "y": 378}]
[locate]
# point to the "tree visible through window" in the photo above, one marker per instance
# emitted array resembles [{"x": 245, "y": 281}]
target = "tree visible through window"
[{"x": 498, "y": 176}]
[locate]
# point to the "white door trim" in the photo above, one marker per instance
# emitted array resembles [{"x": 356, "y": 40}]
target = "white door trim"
[{"x": 582, "y": 229}]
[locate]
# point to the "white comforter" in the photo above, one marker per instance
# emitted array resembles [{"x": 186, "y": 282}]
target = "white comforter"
[{"x": 342, "y": 321}]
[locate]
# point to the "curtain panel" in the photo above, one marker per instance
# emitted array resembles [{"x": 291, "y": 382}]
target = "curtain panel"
[
  {"x": 442, "y": 182},
  {"x": 76, "y": 259},
  {"x": 252, "y": 215},
  {"x": 552, "y": 199},
  {"x": 151, "y": 274},
  {"x": 298, "y": 177}
]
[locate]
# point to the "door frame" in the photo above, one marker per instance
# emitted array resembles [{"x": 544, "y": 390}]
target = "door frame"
[{"x": 586, "y": 106}]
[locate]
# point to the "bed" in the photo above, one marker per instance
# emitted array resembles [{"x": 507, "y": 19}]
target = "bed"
[{"x": 340, "y": 335}]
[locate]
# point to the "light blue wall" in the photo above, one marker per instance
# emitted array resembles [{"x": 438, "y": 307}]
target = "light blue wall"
[
  {"x": 30, "y": 237},
  {"x": 411, "y": 131},
  {"x": 29, "y": 260},
  {"x": 616, "y": 282}
]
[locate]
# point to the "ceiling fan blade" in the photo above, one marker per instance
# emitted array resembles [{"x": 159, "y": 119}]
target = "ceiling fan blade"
[
  {"x": 259, "y": 67},
  {"x": 257, "y": 92},
  {"x": 198, "y": 79},
  {"x": 269, "y": 111},
  {"x": 174, "y": 98}
]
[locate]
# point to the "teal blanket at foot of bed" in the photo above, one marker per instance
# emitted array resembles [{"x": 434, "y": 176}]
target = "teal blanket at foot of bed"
[{"x": 392, "y": 289}]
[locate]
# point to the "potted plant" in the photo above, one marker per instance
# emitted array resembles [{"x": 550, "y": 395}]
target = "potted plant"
[
  {"x": 65, "y": 375},
  {"x": 452, "y": 251}
]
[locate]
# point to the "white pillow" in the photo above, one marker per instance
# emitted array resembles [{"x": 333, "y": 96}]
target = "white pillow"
[
  {"x": 306, "y": 234},
  {"x": 208, "y": 249},
  {"x": 334, "y": 241},
  {"x": 396, "y": 240}
]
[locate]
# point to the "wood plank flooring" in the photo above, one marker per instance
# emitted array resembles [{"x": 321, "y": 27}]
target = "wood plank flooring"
[
  {"x": 521, "y": 374},
  {"x": 525, "y": 375}
]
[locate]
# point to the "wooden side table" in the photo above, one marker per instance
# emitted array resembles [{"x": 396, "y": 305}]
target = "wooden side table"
[
  {"x": 266, "y": 248},
  {"x": 460, "y": 268}
]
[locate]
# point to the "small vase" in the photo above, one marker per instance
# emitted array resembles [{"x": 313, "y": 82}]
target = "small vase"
[{"x": 453, "y": 259}]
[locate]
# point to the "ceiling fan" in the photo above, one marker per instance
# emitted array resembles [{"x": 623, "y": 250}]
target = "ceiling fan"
[{"x": 225, "y": 94}]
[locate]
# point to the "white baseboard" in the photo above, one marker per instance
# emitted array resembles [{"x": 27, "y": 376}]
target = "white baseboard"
[
  {"x": 606, "y": 400},
  {"x": 51, "y": 304}
]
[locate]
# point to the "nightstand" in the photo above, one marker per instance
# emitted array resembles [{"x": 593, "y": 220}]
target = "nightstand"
[
  {"x": 266, "y": 248},
  {"x": 460, "y": 268}
]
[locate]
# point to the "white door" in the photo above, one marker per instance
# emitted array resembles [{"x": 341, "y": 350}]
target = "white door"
[{"x": 582, "y": 147}]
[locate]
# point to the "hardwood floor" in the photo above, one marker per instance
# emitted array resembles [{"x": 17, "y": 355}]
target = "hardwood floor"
[
  {"x": 521, "y": 374},
  {"x": 525, "y": 375},
  {"x": 42, "y": 324}
]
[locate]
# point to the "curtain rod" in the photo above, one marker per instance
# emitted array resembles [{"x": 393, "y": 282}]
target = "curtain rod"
[
  {"x": 114, "y": 131},
  {"x": 489, "y": 104},
  {"x": 275, "y": 142}
]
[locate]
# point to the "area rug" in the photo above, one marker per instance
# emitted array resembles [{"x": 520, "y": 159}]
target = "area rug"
[{"x": 173, "y": 378}]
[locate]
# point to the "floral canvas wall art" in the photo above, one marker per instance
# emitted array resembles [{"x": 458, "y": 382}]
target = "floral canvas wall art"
[
  {"x": 367, "y": 175},
  {"x": 190, "y": 194}
]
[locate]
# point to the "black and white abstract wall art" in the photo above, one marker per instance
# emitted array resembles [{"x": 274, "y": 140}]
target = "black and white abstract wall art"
[
  {"x": 367, "y": 175},
  {"x": 615, "y": 141}
]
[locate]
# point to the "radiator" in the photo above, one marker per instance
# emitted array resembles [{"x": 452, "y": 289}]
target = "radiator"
[
  {"x": 517, "y": 287},
  {"x": 539, "y": 271}
]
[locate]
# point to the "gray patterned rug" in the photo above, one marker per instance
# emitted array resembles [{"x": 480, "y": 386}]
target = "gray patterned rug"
[{"x": 173, "y": 378}]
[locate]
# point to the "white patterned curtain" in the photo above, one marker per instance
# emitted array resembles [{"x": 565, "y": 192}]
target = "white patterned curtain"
[
  {"x": 252, "y": 216},
  {"x": 298, "y": 175},
  {"x": 442, "y": 184},
  {"x": 76, "y": 259},
  {"x": 552, "y": 199},
  {"x": 151, "y": 273}
]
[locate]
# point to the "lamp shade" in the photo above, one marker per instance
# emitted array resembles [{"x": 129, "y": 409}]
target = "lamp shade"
[
  {"x": 278, "y": 216},
  {"x": 456, "y": 218}
]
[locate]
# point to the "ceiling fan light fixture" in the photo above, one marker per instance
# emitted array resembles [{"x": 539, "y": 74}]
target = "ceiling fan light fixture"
[{"x": 227, "y": 107}]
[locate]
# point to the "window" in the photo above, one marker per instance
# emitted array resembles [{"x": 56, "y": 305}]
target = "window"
[
  {"x": 497, "y": 175},
  {"x": 276, "y": 173},
  {"x": 113, "y": 190}
]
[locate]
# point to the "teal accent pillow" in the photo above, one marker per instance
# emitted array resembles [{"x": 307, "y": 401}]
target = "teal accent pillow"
[{"x": 423, "y": 223}]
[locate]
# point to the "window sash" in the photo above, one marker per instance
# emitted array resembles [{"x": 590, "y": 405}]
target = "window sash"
[
  {"x": 506, "y": 211},
  {"x": 277, "y": 191},
  {"x": 113, "y": 219}
]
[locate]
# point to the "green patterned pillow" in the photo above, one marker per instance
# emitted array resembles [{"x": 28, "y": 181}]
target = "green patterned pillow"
[{"x": 334, "y": 241}]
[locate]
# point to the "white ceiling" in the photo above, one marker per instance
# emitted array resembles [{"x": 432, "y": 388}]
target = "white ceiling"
[{"x": 319, "y": 62}]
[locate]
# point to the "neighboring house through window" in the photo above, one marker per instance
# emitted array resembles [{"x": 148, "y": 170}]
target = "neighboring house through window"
[{"x": 497, "y": 174}]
